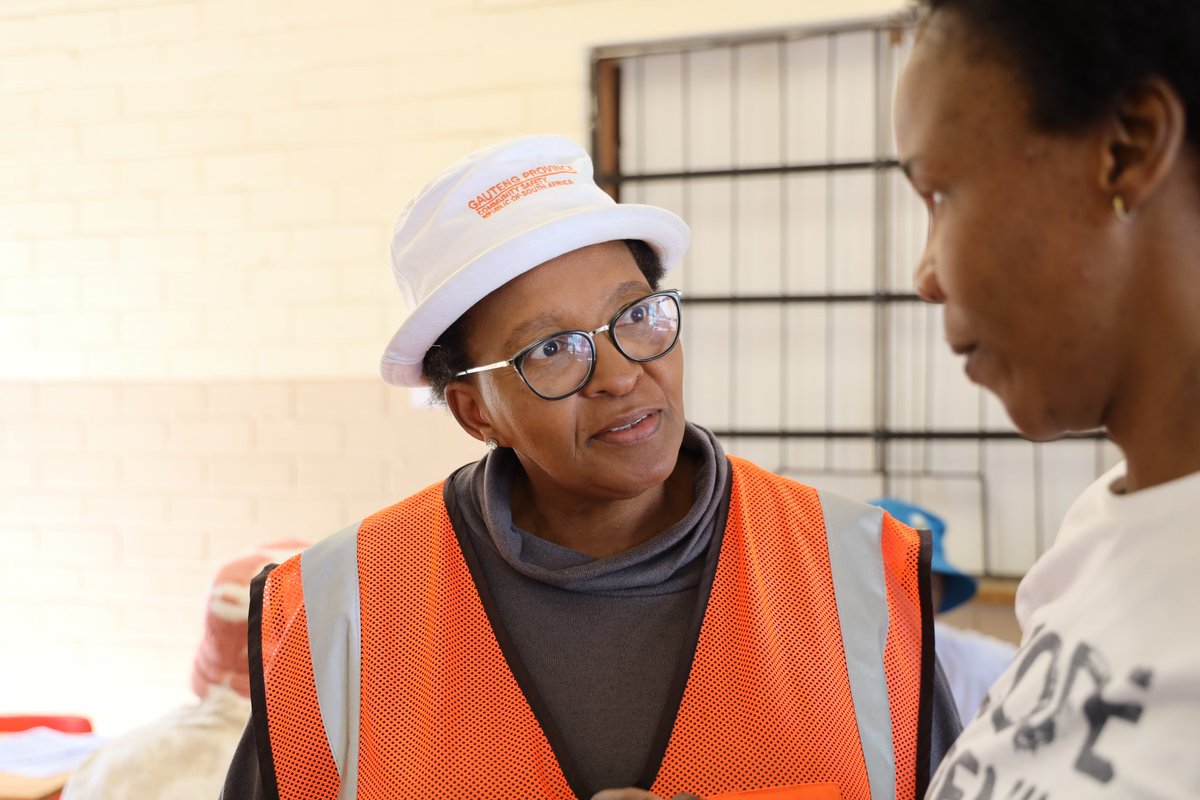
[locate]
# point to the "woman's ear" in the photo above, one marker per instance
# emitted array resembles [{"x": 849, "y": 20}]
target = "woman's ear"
[
  {"x": 464, "y": 401},
  {"x": 1147, "y": 131}
]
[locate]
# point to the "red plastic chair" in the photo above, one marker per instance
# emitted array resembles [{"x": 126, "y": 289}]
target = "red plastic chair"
[{"x": 66, "y": 724}]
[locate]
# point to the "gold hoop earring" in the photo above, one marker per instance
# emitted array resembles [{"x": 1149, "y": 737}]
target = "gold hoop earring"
[{"x": 1124, "y": 214}]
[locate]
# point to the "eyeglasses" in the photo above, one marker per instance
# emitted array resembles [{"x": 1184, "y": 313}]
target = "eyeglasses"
[{"x": 562, "y": 363}]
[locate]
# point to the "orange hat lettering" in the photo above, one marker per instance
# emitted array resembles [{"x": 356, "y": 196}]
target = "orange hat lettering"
[{"x": 510, "y": 190}]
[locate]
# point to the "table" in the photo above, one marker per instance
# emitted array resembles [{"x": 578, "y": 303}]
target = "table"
[{"x": 20, "y": 787}]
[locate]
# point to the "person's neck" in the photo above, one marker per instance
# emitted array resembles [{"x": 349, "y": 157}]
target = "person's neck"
[
  {"x": 603, "y": 527},
  {"x": 1155, "y": 420},
  {"x": 1159, "y": 430}
]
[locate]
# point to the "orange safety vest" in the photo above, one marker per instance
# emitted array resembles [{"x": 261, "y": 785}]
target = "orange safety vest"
[{"x": 379, "y": 675}]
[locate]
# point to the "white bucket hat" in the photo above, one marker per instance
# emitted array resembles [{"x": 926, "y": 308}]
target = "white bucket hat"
[{"x": 494, "y": 215}]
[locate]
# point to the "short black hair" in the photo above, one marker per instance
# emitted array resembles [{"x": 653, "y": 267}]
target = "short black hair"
[
  {"x": 1076, "y": 57},
  {"x": 448, "y": 356}
]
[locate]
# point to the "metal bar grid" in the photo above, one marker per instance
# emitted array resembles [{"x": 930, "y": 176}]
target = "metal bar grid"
[
  {"x": 822, "y": 168},
  {"x": 881, "y": 435},
  {"x": 883, "y": 299},
  {"x": 798, "y": 304}
]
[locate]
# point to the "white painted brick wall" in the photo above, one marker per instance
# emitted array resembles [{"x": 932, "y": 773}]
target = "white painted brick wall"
[
  {"x": 119, "y": 500},
  {"x": 293, "y": 129}
]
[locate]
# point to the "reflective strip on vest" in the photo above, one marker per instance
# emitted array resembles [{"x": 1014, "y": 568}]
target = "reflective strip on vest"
[
  {"x": 329, "y": 574},
  {"x": 855, "y": 534}
]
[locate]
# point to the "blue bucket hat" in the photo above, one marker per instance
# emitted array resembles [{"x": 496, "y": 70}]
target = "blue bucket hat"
[{"x": 957, "y": 586}]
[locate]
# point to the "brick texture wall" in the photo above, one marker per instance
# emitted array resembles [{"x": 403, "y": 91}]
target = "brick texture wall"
[
  {"x": 118, "y": 501},
  {"x": 195, "y": 204},
  {"x": 181, "y": 177}
]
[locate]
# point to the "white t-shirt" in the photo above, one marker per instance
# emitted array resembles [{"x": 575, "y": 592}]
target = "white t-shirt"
[
  {"x": 972, "y": 662},
  {"x": 1103, "y": 698}
]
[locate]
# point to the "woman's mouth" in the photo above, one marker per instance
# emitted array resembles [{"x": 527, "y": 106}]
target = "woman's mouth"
[
  {"x": 637, "y": 421},
  {"x": 967, "y": 350},
  {"x": 641, "y": 426}
]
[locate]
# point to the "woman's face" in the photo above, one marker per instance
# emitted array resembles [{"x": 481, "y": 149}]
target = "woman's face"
[
  {"x": 1022, "y": 248},
  {"x": 617, "y": 437}
]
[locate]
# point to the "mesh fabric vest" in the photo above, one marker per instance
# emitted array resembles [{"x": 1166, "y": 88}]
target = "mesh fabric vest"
[{"x": 767, "y": 703}]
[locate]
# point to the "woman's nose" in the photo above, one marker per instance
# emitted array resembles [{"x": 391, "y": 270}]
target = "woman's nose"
[
  {"x": 925, "y": 280},
  {"x": 614, "y": 373}
]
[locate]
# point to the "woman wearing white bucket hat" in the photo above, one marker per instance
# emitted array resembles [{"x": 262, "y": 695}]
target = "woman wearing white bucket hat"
[{"x": 605, "y": 599}]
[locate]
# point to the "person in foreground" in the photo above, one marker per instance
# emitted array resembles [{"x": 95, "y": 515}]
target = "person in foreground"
[
  {"x": 604, "y": 599},
  {"x": 1057, "y": 146},
  {"x": 184, "y": 754}
]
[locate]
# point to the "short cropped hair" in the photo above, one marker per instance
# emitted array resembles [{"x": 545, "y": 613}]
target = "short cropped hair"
[{"x": 1076, "y": 57}]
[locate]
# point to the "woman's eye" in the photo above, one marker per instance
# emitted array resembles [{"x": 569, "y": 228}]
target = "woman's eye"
[{"x": 555, "y": 347}]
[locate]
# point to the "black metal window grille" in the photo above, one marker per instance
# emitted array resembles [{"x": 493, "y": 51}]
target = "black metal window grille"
[{"x": 807, "y": 350}]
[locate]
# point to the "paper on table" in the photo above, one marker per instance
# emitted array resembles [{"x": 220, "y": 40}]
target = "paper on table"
[{"x": 42, "y": 752}]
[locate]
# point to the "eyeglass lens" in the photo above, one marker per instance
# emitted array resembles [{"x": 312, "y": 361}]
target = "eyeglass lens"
[{"x": 561, "y": 364}]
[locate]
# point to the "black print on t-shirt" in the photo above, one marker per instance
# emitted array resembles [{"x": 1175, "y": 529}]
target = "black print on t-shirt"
[{"x": 1045, "y": 659}]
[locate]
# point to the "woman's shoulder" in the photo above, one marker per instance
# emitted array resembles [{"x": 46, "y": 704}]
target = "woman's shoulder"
[
  {"x": 753, "y": 475},
  {"x": 747, "y": 469},
  {"x": 758, "y": 486},
  {"x": 423, "y": 500}
]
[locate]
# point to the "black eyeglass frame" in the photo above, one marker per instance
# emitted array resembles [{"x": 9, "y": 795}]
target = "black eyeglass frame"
[{"x": 516, "y": 360}]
